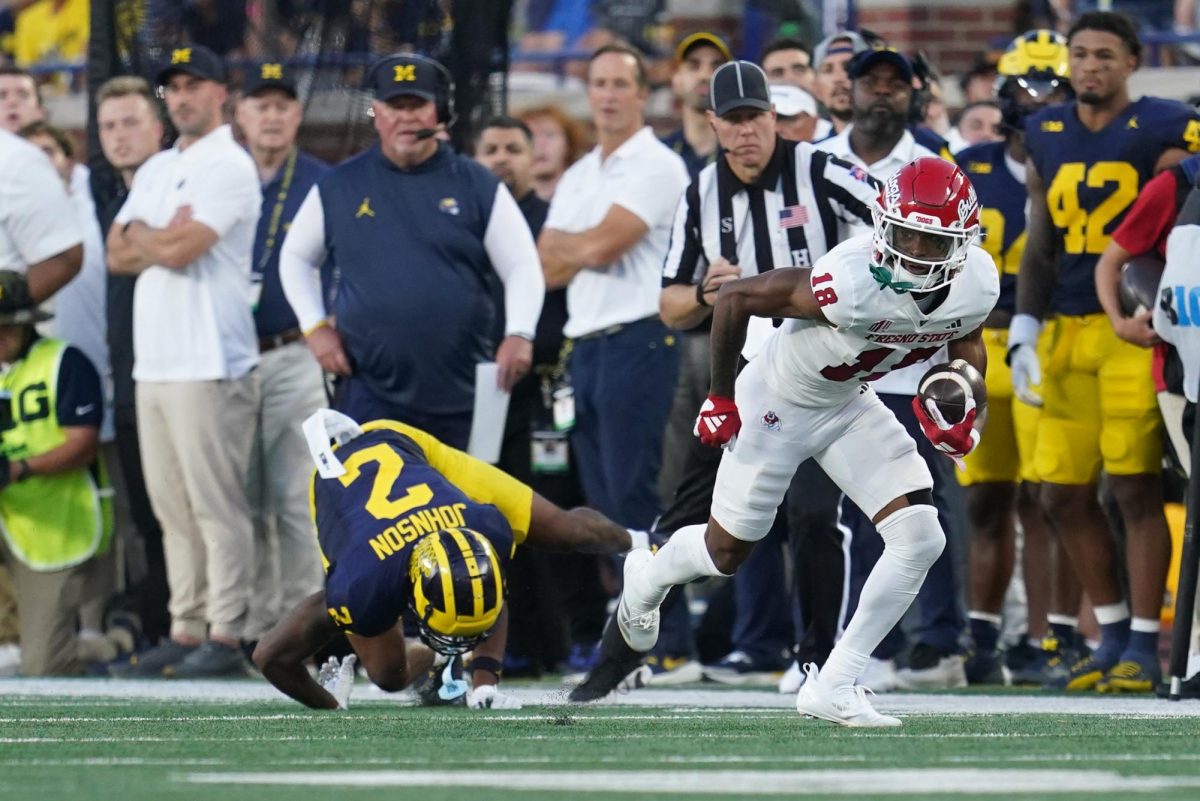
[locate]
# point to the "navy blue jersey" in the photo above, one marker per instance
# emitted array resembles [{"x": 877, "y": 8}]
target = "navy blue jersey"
[
  {"x": 274, "y": 314},
  {"x": 397, "y": 490},
  {"x": 415, "y": 295},
  {"x": 1093, "y": 177},
  {"x": 928, "y": 138},
  {"x": 1002, "y": 216}
]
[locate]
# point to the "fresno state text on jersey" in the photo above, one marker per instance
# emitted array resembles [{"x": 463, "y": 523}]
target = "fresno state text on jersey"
[{"x": 872, "y": 329}]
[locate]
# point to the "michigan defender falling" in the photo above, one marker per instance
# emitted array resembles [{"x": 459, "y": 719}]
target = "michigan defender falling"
[
  {"x": 873, "y": 304},
  {"x": 406, "y": 523}
]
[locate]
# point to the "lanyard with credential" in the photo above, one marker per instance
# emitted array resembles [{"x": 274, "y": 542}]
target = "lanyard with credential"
[{"x": 256, "y": 277}]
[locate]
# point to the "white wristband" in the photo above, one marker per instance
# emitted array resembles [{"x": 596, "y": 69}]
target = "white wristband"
[{"x": 1023, "y": 330}]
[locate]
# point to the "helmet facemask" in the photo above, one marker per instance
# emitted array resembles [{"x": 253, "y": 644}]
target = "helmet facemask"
[{"x": 917, "y": 256}]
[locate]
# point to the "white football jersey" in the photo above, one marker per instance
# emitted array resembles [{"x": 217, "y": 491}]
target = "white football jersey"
[{"x": 873, "y": 330}]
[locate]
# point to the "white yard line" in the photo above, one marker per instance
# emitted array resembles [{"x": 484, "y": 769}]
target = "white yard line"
[
  {"x": 844, "y": 781},
  {"x": 66, "y": 693}
]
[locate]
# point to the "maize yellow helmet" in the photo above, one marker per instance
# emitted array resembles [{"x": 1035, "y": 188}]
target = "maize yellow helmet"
[
  {"x": 457, "y": 589},
  {"x": 1035, "y": 61}
]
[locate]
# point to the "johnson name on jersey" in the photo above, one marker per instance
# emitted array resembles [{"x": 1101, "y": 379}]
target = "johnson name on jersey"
[
  {"x": 1002, "y": 199},
  {"x": 1093, "y": 177},
  {"x": 370, "y": 519},
  {"x": 873, "y": 330}
]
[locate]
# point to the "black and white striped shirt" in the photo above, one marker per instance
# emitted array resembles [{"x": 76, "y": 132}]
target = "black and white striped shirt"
[{"x": 833, "y": 201}]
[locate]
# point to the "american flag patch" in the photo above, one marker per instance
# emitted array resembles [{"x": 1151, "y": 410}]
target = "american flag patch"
[{"x": 791, "y": 216}]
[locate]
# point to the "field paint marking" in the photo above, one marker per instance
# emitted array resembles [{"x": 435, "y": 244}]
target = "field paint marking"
[
  {"x": 685, "y": 699},
  {"x": 816, "y": 727},
  {"x": 920, "y": 781},
  {"x": 268, "y": 738}
]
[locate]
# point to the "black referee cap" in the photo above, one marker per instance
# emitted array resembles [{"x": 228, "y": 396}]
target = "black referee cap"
[
  {"x": 195, "y": 60},
  {"x": 739, "y": 84},
  {"x": 271, "y": 75}
]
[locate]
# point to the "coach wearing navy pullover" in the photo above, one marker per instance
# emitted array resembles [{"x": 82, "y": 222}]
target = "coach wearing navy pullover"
[{"x": 421, "y": 236}]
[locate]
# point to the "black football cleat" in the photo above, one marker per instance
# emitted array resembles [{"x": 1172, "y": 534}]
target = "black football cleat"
[
  {"x": 442, "y": 684},
  {"x": 617, "y": 662}
]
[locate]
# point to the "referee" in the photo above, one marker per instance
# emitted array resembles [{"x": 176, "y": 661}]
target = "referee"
[{"x": 765, "y": 203}]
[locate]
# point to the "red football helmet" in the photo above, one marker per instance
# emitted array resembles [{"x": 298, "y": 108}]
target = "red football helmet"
[{"x": 926, "y": 219}]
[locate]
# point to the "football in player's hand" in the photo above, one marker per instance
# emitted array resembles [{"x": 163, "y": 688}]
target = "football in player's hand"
[
  {"x": 950, "y": 386},
  {"x": 1139, "y": 284}
]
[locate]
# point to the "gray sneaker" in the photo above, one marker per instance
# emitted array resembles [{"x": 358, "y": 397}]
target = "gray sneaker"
[
  {"x": 151, "y": 664},
  {"x": 211, "y": 660}
]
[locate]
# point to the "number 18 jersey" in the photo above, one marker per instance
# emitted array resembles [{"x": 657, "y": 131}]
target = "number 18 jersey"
[
  {"x": 873, "y": 329},
  {"x": 1093, "y": 177}
]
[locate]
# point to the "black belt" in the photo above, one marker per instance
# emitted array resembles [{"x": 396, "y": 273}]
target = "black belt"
[
  {"x": 613, "y": 329},
  {"x": 279, "y": 340}
]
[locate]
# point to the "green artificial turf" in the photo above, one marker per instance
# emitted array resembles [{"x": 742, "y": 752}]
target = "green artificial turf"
[{"x": 135, "y": 750}]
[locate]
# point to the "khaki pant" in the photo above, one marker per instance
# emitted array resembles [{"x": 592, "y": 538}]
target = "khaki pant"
[
  {"x": 48, "y": 603},
  {"x": 287, "y": 561},
  {"x": 9, "y": 631},
  {"x": 195, "y": 441}
]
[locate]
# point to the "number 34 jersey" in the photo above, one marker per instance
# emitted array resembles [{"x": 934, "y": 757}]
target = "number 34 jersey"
[
  {"x": 1093, "y": 177},
  {"x": 873, "y": 329}
]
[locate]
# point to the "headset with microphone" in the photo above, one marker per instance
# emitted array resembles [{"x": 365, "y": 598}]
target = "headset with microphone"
[{"x": 444, "y": 95}]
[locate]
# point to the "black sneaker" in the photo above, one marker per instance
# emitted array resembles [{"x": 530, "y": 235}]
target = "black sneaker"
[
  {"x": 987, "y": 667},
  {"x": 617, "y": 661},
  {"x": 442, "y": 684},
  {"x": 151, "y": 664},
  {"x": 212, "y": 660},
  {"x": 1190, "y": 688}
]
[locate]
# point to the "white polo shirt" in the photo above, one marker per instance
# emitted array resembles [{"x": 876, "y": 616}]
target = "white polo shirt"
[
  {"x": 905, "y": 381},
  {"x": 36, "y": 217},
  {"x": 644, "y": 177},
  {"x": 196, "y": 324}
]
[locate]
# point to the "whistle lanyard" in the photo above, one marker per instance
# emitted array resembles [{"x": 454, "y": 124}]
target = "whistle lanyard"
[{"x": 289, "y": 171}]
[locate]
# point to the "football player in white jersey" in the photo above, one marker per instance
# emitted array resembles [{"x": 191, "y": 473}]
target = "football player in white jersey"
[{"x": 875, "y": 303}]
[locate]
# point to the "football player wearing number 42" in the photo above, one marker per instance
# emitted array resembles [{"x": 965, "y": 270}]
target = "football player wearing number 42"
[
  {"x": 875, "y": 303},
  {"x": 406, "y": 523},
  {"x": 1088, "y": 160}
]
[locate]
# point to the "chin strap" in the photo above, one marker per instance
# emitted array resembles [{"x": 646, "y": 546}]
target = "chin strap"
[{"x": 322, "y": 427}]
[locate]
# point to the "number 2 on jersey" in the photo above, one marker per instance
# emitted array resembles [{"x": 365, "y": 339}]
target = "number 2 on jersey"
[
  {"x": 380, "y": 503},
  {"x": 1084, "y": 232}
]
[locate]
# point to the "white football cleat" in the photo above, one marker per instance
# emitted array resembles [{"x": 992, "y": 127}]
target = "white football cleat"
[
  {"x": 792, "y": 679},
  {"x": 846, "y": 705},
  {"x": 637, "y": 611}
]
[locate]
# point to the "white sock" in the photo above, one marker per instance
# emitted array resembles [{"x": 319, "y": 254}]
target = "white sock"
[
  {"x": 684, "y": 558},
  {"x": 913, "y": 540}
]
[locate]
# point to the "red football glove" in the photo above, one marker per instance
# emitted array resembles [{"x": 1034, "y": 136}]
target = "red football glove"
[
  {"x": 718, "y": 423},
  {"x": 955, "y": 440}
]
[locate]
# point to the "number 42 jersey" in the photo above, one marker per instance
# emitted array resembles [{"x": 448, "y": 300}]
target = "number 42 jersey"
[
  {"x": 1093, "y": 177},
  {"x": 873, "y": 329}
]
